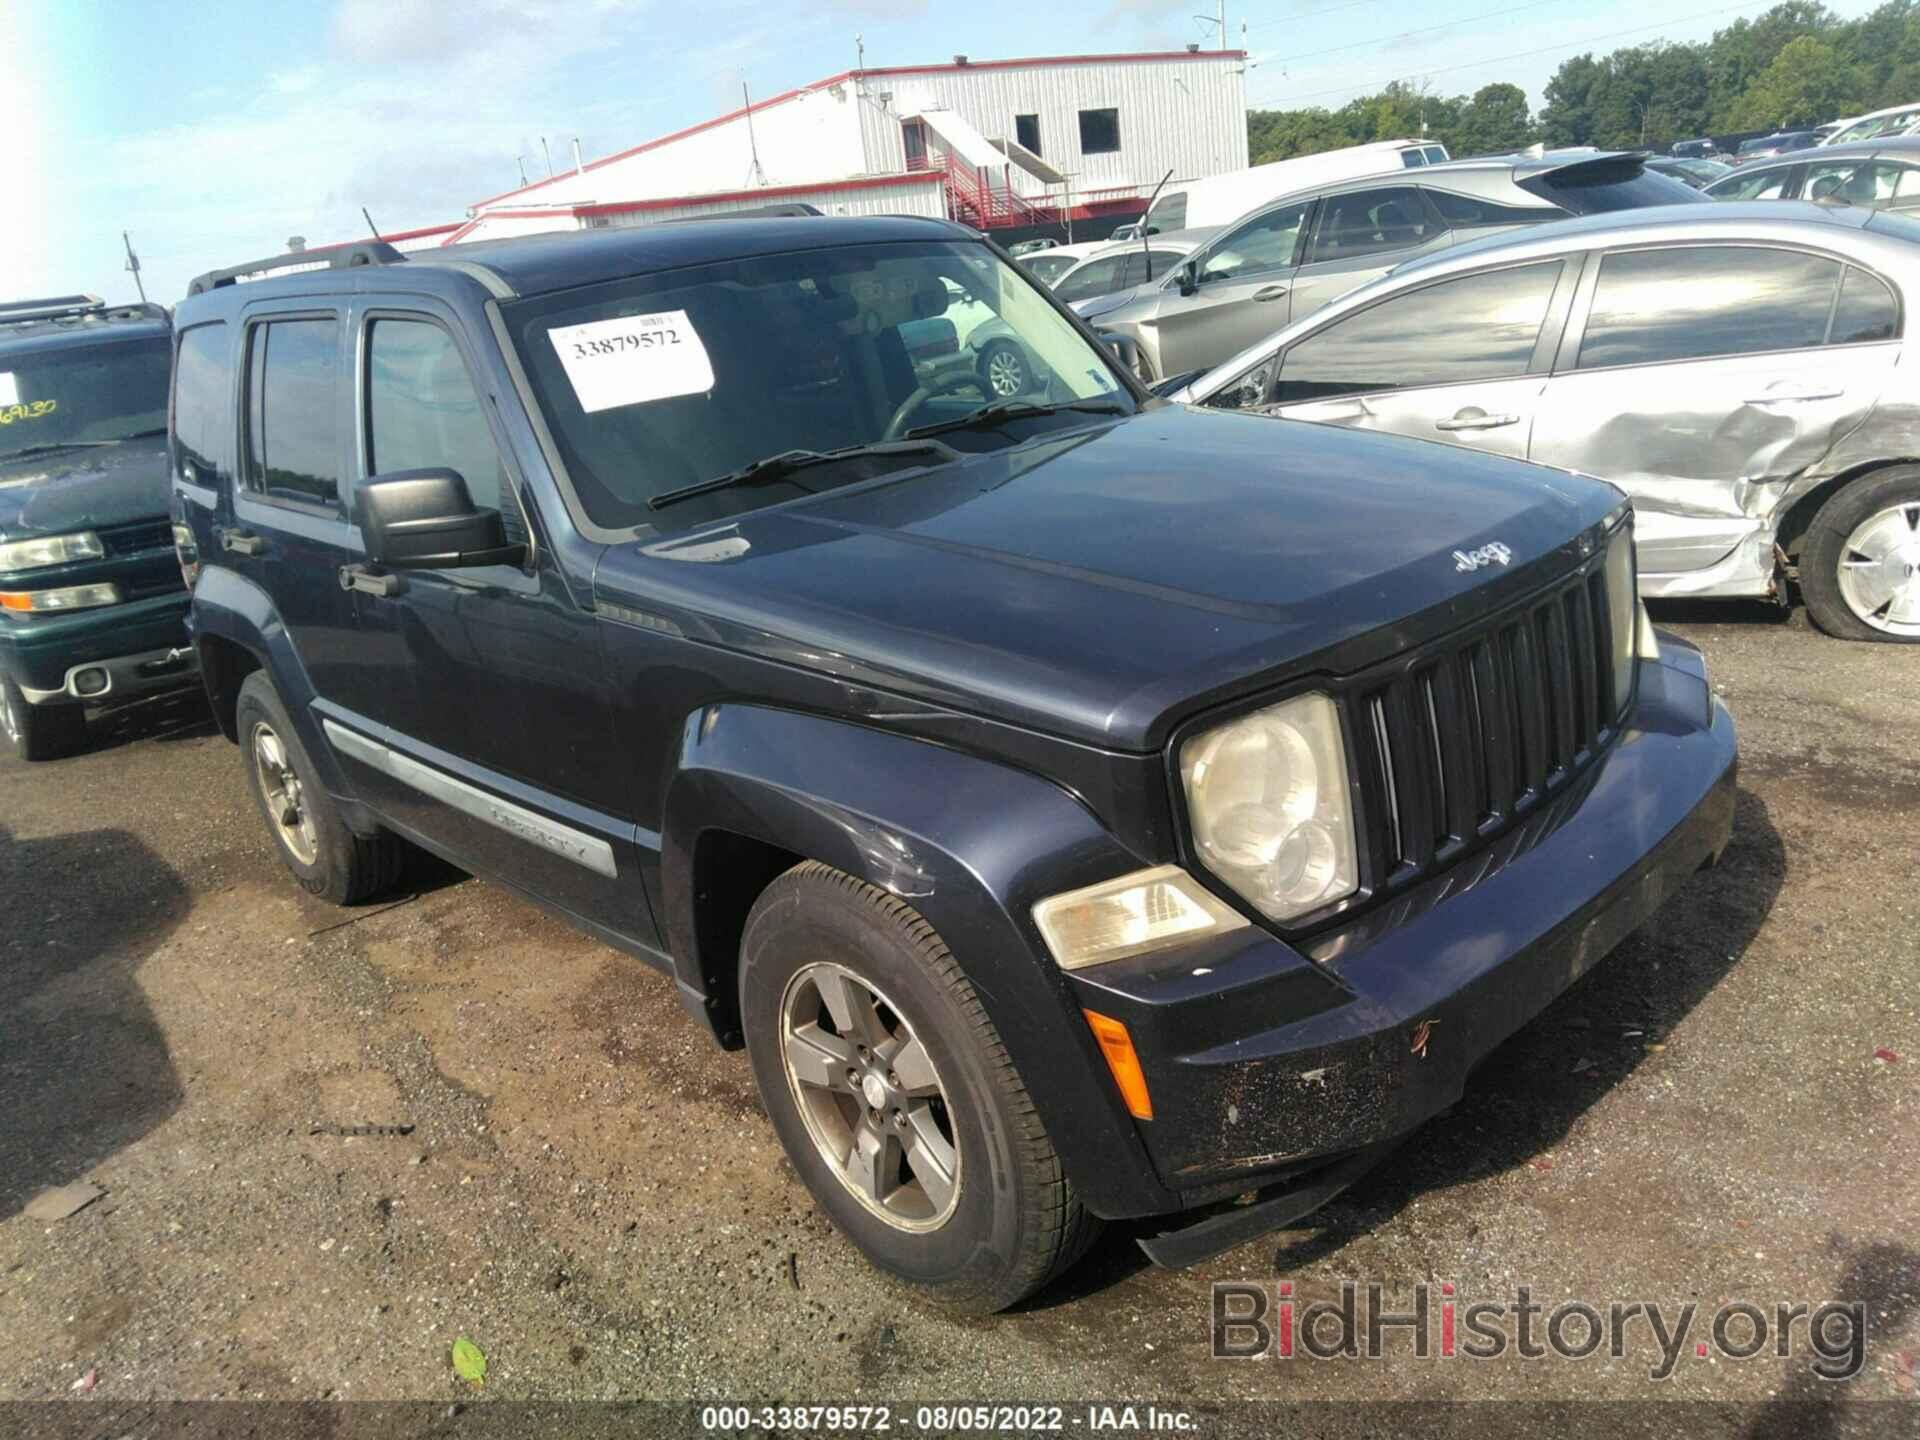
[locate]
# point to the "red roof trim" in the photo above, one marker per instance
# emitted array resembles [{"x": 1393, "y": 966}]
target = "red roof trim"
[
  {"x": 422, "y": 233},
  {"x": 1148, "y": 58},
  {"x": 765, "y": 192}
]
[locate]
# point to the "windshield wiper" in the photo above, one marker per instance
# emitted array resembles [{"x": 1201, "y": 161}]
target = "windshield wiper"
[
  {"x": 83, "y": 444},
  {"x": 774, "y": 467},
  {"x": 999, "y": 410}
]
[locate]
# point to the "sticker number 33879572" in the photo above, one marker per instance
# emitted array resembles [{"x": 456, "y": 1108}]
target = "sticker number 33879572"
[{"x": 633, "y": 359}]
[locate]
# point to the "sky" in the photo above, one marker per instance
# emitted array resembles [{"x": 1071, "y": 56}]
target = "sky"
[{"x": 214, "y": 131}]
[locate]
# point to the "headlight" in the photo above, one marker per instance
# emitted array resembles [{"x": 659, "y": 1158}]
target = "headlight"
[
  {"x": 1623, "y": 613},
  {"x": 1268, "y": 798},
  {"x": 1147, "y": 910},
  {"x": 50, "y": 550},
  {"x": 74, "y": 597}
]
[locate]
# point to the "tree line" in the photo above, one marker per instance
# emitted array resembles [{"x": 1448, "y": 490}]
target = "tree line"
[{"x": 1797, "y": 65}]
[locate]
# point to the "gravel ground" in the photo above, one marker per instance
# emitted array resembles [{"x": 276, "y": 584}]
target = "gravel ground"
[{"x": 590, "y": 1191}]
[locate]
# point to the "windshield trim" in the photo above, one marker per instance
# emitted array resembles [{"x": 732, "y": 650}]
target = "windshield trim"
[{"x": 568, "y": 491}]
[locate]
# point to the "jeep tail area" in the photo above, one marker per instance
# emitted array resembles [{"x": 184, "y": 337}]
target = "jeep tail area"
[
  {"x": 92, "y": 607},
  {"x": 1079, "y": 806}
]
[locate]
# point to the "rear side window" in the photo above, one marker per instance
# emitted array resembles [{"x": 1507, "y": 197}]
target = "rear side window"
[
  {"x": 1478, "y": 327},
  {"x": 1365, "y": 222},
  {"x": 293, "y": 411},
  {"x": 1413, "y": 159},
  {"x": 1096, "y": 277},
  {"x": 1464, "y": 212},
  {"x": 1752, "y": 184},
  {"x": 202, "y": 408},
  {"x": 1690, "y": 303},
  {"x": 423, "y": 412},
  {"x": 1866, "y": 311},
  {"x": 1591, "y": 189}
]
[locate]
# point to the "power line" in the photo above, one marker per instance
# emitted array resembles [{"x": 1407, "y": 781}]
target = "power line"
[
  {"x": 1524, "y": 54},
  {"x": 1424, "y": 30}
]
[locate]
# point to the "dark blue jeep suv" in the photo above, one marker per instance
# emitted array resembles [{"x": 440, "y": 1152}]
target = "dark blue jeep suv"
[
  {"x": 91, "y": 604},
  {"x": 1078, "y": 805}
]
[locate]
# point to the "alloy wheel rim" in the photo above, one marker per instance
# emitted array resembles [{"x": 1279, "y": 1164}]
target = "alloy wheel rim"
[
  {"x": 872, "y": 1101},
  {"x": 1005, "y": 373},
  {"x": 9, "y": 717},
  {"x": 1880, "y": 570},
  {"x": 285, "y": 797}
]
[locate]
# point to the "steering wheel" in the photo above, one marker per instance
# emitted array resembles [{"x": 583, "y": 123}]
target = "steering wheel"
[{"x": 948, "y": 385}]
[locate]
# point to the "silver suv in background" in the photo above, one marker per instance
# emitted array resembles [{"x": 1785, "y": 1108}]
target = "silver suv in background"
[
  {"x": 1881, "y": 173},
  {"x": 1734, "y": 368},
  {"x": 1284, "y": 261},
  {"x": 1129, "y": 264}
]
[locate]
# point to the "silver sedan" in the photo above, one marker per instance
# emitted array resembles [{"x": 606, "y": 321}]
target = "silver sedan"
[{"x": 1737, "y": 369}]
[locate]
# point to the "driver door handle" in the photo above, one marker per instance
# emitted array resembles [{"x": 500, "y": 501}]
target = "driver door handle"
[
  {"x": 358, "y": 577},
  {"x": 1794, "y": 394},
  {"x": 242, "y": 542},
  {"x": 1270, "y": 292},
  {"x": 1474, "y": 418}
]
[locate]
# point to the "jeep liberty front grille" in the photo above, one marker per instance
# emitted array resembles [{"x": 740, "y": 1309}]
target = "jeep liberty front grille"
[{"x": 1461, "y": 739}]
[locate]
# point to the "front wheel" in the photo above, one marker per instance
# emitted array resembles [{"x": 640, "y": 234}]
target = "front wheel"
[
  {"x": 1860, "y": 565},
  {"x": 39, "y": 732},
  {"x": 894, "y": 1098},
  {"x": 1004, "y": 368}
]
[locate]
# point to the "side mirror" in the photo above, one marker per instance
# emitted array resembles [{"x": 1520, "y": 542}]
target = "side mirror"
[
  {"x": 425, "y": 520},
  {"x": 1190, "y": 277},
  {"x": 1123, "y": 348}
]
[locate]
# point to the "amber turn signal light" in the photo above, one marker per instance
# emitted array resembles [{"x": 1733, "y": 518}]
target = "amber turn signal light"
[{"x": 1117, "y": 1045}]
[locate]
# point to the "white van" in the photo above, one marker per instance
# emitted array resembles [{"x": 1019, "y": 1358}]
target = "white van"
[{"x": 1220, "y": 198}]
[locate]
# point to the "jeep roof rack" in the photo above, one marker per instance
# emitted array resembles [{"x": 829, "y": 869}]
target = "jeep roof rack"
[
  {"x": 76, "y": 310},
  {"x": 333, "y": 257},
  {"x": 52, "y": 307}
]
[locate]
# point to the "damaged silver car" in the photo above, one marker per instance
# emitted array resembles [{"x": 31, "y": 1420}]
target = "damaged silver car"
[{"x": 1735, "y": 368}]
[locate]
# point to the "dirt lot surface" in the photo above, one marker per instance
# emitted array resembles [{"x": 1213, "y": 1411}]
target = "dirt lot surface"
[{"x": 590, "y": 1191}]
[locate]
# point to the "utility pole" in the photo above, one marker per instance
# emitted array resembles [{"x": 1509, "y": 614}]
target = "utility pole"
[
  {"x": 860, "y": 50},
  {"x": 133, "y": 266}
]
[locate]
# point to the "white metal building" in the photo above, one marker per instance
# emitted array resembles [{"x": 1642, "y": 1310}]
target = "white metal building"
[{"x": 994, "y": 143}]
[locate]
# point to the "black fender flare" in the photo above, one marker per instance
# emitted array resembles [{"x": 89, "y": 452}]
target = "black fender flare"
[
  {"x": 970, "y": 843},
  {"x": 235, "y": 609}
]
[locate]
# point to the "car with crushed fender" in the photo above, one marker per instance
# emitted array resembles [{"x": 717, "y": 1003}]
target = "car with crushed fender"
[
  {"x": 1077, "y": 805},
  {"x": 1737, "y": 368}
]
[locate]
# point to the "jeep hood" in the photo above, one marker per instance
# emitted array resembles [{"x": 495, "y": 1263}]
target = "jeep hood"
[
  {"x": 90, "y": 488},
  {"x": 1100, "y": 584}
]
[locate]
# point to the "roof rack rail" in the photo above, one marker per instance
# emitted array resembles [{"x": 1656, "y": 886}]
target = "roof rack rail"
[
  {"x": 333, "y": 257},
  {"x": 52, "y": 307},
  {"x": 781, "y": 211}
]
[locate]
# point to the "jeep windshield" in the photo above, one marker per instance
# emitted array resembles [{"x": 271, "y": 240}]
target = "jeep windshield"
[
  {"x": 76, "y": 395},
  {"x": 659, "y": 385}
]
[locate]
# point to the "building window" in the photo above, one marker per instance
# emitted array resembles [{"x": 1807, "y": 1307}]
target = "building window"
[
  {"x": 1026, "y": 130},
  {"x": 1099, "y": 132}
]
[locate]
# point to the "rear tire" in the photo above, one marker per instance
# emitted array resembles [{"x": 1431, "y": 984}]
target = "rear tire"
[
  {"x": 324, "y": 855},
  {"x": 1860, "y": 563},
  {"x": 39, "y": 732},
  {"x": 970, "y": 1205},
  {"x": 1004, "y": 370}
]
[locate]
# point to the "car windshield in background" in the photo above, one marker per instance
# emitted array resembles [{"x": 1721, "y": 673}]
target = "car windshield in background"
[
  {"x": 87, "y": 395},
  {"x": 663, "y": 382},
  {"x": 1595, "y": 189}
]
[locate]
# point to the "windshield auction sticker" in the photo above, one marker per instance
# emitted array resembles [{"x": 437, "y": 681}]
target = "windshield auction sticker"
[
  {"x": 9, "y": 389},
  {"x": 633, "y": 359}
]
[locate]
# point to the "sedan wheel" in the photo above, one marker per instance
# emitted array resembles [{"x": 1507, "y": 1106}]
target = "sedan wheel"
[
  {"x": 1006, "y": 371},
  {"x": 871, "y": 1099},
  {"x": 1880, "y": 570}
]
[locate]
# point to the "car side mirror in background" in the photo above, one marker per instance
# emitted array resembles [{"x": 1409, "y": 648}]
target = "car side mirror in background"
[
  {"x": 425, "y": 520},
  {"x": 1124, "y": 350},
  {"x": 1189, "y": 277}
]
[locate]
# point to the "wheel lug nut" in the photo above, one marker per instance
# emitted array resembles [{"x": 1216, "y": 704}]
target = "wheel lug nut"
[
  {"x": 893, "y": 1080},
  {"x": 899, "y": 1119},
  {"x": 853, "y": 1077}
]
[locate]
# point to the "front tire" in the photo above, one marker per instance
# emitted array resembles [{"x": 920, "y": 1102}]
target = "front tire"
[
  {"x": 1860, "y": 565},
  {"x": 327, "y": 858},
  {"x": 894, "y": 1098},
  {"x": 1005, "y": 371},
  {"x": 39, "y": 732}
]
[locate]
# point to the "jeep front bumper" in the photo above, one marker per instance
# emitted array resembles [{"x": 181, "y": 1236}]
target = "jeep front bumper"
[{"x": 1288, "y": 1070}]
